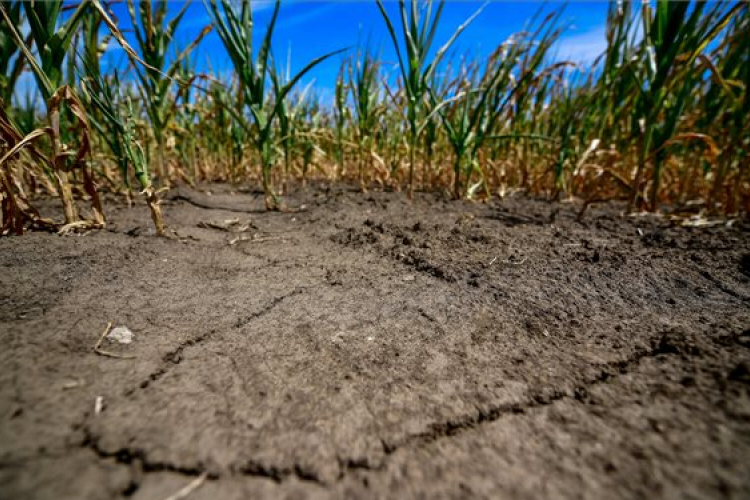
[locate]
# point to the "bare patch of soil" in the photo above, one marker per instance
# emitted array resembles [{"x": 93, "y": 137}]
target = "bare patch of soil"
[{"x": 366, "y": 347}]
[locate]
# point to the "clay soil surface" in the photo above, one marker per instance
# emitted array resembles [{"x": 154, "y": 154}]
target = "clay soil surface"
[{"x": 367, "y": 347}]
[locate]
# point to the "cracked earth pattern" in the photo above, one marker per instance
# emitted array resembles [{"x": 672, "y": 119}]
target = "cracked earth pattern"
[{"x": 366, "y": 347}]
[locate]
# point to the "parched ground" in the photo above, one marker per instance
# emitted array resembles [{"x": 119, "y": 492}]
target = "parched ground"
[{"x": 367, "y": 347}]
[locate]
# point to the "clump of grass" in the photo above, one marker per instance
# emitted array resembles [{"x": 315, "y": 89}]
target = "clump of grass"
[
  {"x": 364, "y": 79},
  {"x": 52, "y": 39},
  {"x": 234, "y": 25},
  {"x": 155, "y": 36},
  {"x": 674, "y": 35},
  {"x": 117, "y": 127},
  {"x": 417, "y": 35}
]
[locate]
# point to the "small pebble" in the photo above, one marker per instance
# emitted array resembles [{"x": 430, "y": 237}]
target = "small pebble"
[{"x": 121, "y": 334}]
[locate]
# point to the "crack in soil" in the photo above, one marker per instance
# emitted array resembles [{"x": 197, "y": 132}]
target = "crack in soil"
[
  {"x": 724, "y": 288},
  {"x": 423, "y": 265},
  {"x": 279, "y": 474},
  {"x": 174, "y": 357},
  {"x": 131, "y": 456},
  {"x": 451, "y": 428},
  {"x": 268, "y": 307},
  {"x": 355, "y": 239},
  {"x": 136, "y": 460},
  {"x": 429, "y": 317},
  {"x": 136, "y": 457},
  {"x": 436, "y": 431},
  {"x": 208, "y": 206}
]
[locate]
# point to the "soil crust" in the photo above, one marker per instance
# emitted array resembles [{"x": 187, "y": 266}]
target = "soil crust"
[{"x": 369, "y": 347}]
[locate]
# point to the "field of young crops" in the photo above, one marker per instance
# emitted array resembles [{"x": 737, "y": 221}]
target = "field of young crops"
[
  {"x": 459, "y": 277},
  {"x": 660, "y": 118}
]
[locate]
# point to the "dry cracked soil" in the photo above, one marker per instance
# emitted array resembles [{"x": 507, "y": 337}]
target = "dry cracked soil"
[{"x": 367, "y": 347}]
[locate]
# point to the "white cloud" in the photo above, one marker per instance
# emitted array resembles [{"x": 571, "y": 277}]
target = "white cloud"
[
  {"x": 201, "y": 19},
  {"x": 311, "y": 13},
  {"x": 582, "y": 48}
]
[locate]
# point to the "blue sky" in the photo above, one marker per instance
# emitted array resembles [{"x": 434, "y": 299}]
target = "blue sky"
[{"x": 310, "y": 28}]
